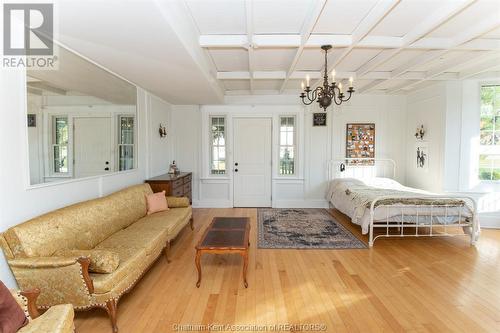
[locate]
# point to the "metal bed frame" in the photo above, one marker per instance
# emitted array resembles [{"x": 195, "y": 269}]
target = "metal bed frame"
[{"x": 371, "y": 167}]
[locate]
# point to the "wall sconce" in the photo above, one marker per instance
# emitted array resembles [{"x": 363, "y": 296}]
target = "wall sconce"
[
  {"x": 162, "y": 131},
  {"x": 419, "y": 134}
]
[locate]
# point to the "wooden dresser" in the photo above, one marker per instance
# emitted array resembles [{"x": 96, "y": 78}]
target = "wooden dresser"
[{"x": 173, "y": 185}]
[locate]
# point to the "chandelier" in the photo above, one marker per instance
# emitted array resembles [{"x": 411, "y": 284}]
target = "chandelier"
[{"x": 328, "y": 92}]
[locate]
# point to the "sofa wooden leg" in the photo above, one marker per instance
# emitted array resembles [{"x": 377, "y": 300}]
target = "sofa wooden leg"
[
  {"x": 167, "y": 251},
  {"x": 191, "y": 223},
  {"x": 111, "y": 308}
]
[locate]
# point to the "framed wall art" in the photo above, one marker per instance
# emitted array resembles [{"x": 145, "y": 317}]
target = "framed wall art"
[
  {"x": 360, "y": 143},
  {"x": 319, "y": 119}
]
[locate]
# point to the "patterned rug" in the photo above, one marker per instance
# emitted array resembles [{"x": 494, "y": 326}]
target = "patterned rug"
[{"x": 301, "y": 228}]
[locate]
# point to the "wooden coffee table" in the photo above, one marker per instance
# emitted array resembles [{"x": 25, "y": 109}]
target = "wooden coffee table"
[{"x": 225, "y": 235}]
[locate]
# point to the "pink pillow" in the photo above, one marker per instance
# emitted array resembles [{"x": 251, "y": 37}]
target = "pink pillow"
[{"x": 157, "y": 202}]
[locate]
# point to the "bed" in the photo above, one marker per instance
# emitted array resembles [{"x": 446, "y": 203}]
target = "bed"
[{"x": 365, "y": 190}]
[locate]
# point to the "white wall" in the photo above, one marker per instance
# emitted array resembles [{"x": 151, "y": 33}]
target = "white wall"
[
  {"x": 19, "y": 202},
  {"x": 450, "y": 113},
  {"x": 317, "y": 145}
]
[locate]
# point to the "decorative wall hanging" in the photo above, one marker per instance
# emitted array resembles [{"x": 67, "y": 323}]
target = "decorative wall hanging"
[
  {"x": 360, "y": 143},
  {"x": 162, "y": 131},
  {"x": 31, "y": 120},
  {"x": 422, "y": 156},
  {"x": 420, "y": 132},
  {"x": 319, "y": 119}
]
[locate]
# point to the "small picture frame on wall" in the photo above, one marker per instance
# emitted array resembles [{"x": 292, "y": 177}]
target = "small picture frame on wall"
[
  {"x": 31, "y": 120},
  {"x": 422, "y": 156},
  {"x": 319, "y": 119}
]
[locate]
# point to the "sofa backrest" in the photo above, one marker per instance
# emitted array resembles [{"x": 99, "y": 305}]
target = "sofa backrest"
[{"x": 80, "y": 226}]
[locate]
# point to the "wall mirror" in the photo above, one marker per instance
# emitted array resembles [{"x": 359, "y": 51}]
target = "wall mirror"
[{"x": 81, "y": 121}]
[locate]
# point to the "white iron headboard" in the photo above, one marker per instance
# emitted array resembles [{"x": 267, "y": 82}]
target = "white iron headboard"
[{"x": 361, "y": 168}]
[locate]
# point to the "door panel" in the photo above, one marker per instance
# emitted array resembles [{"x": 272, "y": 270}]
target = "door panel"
[
  {"x": 252, "y": 154},
  {"x": 92, "y": 143}
]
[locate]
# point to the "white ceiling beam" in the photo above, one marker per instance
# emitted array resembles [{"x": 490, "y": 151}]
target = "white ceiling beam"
[
  {"x": 249, "y": 26},
  {"x": 269, "y": 75},
  {"x": 275, "y": 41},
  {"x": 489, "y": 65},
  {"x": 431, "y": 43},
  {"x": 316, "y": 40},
  {"x": 307, "y": 28},
  {"x": 369, "y": 22},
  {"x": 432, "y": 22},
  {"x": 481, "y": 44},
  {"x": 233, "y": 75},
  {"x": 380, "y": 42},
  {"x": 370, "y": 86}
]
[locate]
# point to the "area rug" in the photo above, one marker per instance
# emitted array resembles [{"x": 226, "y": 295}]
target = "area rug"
[{"x": 302, "y": 228}]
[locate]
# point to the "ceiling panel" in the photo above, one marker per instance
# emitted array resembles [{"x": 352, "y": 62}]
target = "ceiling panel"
[
  {"x": 445, "y": 59},
  {"x": 467, "y": 18},
  {"x": 280, "y": 16},
  {"x": 293, "y": 85},
  {"x": 390, "y": 84},
  {"x": 227, "y": 60},
  {"x": 273, "y": 59},
  {"x": 267, "y": 84},
  {"x": 405, "y": 16},
  {"x": 313, "y": 59},
  {"x": 236, "y": 84},
  {"x": 230, "y": 16},
  {"x": 356, "y": 59},
  {"x": 343, "y": 16},
  {"x": 494, "y": 34},
  {"x": 399, "y": 60}
]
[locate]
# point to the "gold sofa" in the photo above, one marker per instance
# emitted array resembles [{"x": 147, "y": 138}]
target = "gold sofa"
[
  {"x": 57, "y": 319},
  {"x": 117, "y": 222}
]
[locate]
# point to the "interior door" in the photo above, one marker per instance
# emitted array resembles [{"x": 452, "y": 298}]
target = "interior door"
[
  {"x": 252, "y": 162},
  {"x": 92, "y": 146}
]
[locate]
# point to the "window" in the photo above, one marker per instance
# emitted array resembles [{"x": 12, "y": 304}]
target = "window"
[
  {"x": 60, "y": 139},
  {"x": 287, "y": 146},
  {"x": 218, "y": 146},
  {"x": 489, "y": 146},
  {"x": 126, "y": 143}
]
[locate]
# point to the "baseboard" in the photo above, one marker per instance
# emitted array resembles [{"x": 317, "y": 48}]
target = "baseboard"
[
  {"x": 212, "y": 204},
  {"x": 489, "y": 221},
  {"x": 317, "y": 203}
]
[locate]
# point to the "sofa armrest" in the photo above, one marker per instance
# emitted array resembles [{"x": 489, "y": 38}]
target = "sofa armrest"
[
  {"x": 27, "y": 301},
  {"x": 177, "y": 202},
  {"x": 61, "y": 280}
]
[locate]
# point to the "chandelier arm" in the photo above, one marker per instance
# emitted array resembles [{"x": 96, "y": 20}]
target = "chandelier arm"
[{"x": 348, "y": 98}]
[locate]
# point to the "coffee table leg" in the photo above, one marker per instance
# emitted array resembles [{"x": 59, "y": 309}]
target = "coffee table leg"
[
  {"x": 198, "y": 267},
  {"x": 245, "y": 268}
]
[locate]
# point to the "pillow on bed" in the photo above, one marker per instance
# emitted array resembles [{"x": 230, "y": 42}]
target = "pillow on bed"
[{"x": 382, "y": 183}]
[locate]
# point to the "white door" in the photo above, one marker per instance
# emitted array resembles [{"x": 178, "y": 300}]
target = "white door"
[
  {"x": 92, "y": 147},
  {"x": 252, "y": 162}
]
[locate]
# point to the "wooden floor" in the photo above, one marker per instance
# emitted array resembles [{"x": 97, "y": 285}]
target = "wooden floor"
[{"x": 413, "y": 285}]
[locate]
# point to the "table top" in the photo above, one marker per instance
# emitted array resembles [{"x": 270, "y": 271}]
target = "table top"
[
  {"x": 226, "y": 233},
  {"x": 168, "y": 176}
]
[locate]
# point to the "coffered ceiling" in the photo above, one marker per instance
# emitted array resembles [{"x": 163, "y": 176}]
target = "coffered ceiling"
[{"x": 197, "y": 51}]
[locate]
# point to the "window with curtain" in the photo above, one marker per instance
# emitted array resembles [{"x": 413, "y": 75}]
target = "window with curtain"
[
  {"x": 60, "y": 140},
  {"x": 217, "y": 146},
  {"x": 287, "y": 149},
  {"x": 489, "y": 146}
]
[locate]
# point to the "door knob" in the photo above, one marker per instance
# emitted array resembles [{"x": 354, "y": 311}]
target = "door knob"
[
  {"x": 235, "y": 170},
  {"x": 236, "y": 163},
  {"x": 106, "y": 169},
  {"x": 107, "y": 162}
]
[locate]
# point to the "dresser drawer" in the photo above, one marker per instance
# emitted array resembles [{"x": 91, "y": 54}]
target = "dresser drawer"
[
  {"x": 187, "y": 188},
  {"x": 178, "y": 192},
  {"x": 187, "y": 179},
  {"x": 177, "y": 183}
]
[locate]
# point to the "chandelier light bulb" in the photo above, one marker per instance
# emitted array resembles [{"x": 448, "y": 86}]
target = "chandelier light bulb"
[
  {"x": 340, "y": 86},
  {"x": 333, "y": 75},
  {"x": 307, "y": 80},
  {"x": 302, "y": 85},
  {"x": 351, "y": 80}
]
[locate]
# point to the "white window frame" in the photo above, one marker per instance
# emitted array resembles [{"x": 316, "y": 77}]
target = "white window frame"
[
  {"x": 487, "y": 149},
  {"x": 211, "y": 146},
  {"x": 119, "y": 144},
  {"x": 295, "y": 146},
  {"x": 52, "y": 145}
]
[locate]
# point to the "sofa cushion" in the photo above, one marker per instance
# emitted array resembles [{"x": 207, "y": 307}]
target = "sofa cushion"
[
  {"x": 169, "y": 220},
  {"x": 177, "y": 202},
  {"x": 101, "y": 261},
  {"x": 57, "y": 319},
  {"x": 133, "y": 260},
  {"x": 156, "y": 202},
  {"x": 80, "y": 226}
]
